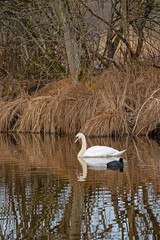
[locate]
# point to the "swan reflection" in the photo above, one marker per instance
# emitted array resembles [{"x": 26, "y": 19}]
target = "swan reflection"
[
  {"x": 113, "y": 163},
  {"x": 99, "y": 163},
  {"x": 82, "y": 177}
]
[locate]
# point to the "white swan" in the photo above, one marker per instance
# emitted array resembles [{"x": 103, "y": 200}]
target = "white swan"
[{"x": 96, "y": 151}]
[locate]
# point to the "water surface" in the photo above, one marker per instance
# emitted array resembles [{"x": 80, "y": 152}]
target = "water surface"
[{"x": 47, "y": 193}]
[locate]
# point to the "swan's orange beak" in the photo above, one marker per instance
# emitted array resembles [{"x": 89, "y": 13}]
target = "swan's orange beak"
[{"x": 76, "y": 140}]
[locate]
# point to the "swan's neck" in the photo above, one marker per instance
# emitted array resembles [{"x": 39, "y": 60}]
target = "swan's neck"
[{"x": 83, "y": 148}]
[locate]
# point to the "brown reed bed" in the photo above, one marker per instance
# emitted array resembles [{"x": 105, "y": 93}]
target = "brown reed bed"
[{"x": 113, "y": 103}]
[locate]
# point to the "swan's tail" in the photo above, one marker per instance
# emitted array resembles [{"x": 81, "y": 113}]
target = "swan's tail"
[{"x": 119, "y": 153}]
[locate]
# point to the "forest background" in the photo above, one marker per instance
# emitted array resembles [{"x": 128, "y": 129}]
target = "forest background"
[{"x": 76, "y": 65}]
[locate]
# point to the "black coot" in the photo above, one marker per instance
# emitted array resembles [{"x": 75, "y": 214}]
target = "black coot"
[{"x": 116, "y": 165}]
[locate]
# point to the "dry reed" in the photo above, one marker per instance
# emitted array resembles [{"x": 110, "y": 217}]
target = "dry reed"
[
  {"x": 113, "y": 103},
  {"x": 11, "y": 112},
  {"x": 148, "y": 115}
]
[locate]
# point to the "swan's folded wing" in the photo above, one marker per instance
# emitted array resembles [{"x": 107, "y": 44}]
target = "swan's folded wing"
[
  {"x": 100, "y": 151},
  {"x": 119, "y": 153}
]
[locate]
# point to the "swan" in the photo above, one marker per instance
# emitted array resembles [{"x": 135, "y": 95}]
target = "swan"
[{"x": 96, "y": 151}]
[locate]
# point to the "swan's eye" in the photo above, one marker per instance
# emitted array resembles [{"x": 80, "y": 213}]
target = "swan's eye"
[{"x": 76, "y": 139}]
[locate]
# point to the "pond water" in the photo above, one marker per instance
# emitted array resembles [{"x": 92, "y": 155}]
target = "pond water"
[{"x": 47, "y": 193}]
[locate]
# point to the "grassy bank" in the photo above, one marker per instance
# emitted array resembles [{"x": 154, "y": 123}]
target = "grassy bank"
[{"x": 112, "y": 103}]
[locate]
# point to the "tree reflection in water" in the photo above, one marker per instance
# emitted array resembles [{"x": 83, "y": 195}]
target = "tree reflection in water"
[{"x": 41, "y": 195}]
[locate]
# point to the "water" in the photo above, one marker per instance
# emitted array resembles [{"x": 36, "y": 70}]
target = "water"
[{"x": 47, "y": 193}]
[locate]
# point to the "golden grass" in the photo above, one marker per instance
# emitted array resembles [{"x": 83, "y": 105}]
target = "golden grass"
[
  {"x": 113, "y": 103},
  {"x": 148, "y": 115},
  {"x": 11, "y": 112}
]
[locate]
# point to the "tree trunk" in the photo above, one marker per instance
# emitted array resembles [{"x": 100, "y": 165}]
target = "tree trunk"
[{"x": 70, "y": 38}]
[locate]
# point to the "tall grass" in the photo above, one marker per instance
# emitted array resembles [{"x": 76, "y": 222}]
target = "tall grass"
[{"x": 113, "y": 103}]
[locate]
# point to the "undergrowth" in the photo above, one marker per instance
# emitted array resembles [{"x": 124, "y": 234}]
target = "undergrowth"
[{"x": 113, "y": 103}]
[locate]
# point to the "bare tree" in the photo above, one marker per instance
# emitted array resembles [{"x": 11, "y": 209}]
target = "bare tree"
[
  {"x": 71, "y": 38},
  {"x": 130, "y": 30},
  {"x": 48, "y": 39}
]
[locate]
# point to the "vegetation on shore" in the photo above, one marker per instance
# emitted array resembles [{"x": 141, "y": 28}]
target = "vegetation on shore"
[
  {"x": 109, "y": 104},
  {"x": 96, "y": 62}
]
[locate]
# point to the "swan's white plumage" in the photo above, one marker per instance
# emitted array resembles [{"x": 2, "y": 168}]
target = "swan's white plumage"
[
  {"x": 96, "y": 151},
  {"x": 102, "y": 151}
]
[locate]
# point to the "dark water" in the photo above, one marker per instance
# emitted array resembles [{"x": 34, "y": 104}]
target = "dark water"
[{"x": 47, "y": 193}]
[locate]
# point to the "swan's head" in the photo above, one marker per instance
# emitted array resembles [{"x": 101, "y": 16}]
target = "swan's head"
[{"x": 79, "y": 136}]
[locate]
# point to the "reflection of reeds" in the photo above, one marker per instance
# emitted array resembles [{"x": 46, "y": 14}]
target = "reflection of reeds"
[
  {"x": 50, "y": 206},
  {"x": 59, "y": 155}
]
